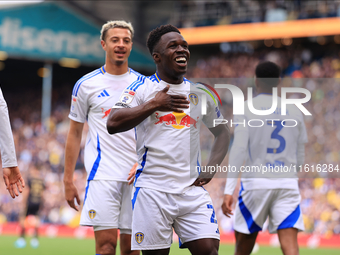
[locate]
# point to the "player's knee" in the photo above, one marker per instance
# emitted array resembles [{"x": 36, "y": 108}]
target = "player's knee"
[
  {"x": 206, "y": 246},
  {"x": 290, "y": 249},
  {"x": 107, "y": 248}
]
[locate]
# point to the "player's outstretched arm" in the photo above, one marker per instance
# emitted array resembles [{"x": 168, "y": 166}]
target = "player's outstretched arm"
[
  {"x": 237, "y": 156},
  {"x": 13, "y": 180},
  {"x": 71, "y": 154},
  {"x": 11, "y": 174},
  {"x": 218, "y": 152},
  {"x": 124, "y": 119}
]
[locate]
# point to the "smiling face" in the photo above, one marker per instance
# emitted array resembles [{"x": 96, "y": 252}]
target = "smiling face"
[
  {"x": 118, "y": 45},
  {"x": 171, "y": 55}
]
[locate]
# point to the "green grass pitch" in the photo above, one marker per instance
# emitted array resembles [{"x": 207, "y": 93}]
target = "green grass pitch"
[{"x": 71, "y": 246}]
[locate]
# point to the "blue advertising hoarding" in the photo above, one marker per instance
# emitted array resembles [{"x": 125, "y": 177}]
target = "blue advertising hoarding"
[{"x": 49, "y": 31}]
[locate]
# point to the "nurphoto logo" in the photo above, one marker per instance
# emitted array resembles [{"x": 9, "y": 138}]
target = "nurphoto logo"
[{"x": 238, "y": 105}]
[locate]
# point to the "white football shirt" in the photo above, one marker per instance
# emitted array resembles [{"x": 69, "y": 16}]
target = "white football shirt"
[
  {"x": 107, "y": 157},
  {"x": 273, "y": 144},
  {"x": 168, "y": 143}
]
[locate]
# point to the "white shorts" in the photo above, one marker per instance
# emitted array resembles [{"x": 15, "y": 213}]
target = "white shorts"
[
  {"x": 107, "y": 204},
  {"x": 156, "y": 214},
  {"x": 281, "y": 205}
]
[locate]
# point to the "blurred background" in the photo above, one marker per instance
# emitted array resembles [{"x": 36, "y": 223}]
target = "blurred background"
[{"x": 46, "y": 46}]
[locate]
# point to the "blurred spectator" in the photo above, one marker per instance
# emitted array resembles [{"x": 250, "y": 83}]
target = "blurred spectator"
[
  {"x": 32, "y": 202},
  {"x": 275, "y": 13}
]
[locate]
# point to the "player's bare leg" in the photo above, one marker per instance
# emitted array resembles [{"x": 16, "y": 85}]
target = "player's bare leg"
[
  {"x": 106, "y": 241},
  {"x": 288, "y": 241},
  {"x": 156, "y": 252},
  {"x": 244, "y": 243},
  {"x": 125, "y": 245},
  {"x": 205, "y": 246}
]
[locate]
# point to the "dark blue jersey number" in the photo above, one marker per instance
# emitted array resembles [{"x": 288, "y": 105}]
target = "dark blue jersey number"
[{"x": 275, "y": 135}]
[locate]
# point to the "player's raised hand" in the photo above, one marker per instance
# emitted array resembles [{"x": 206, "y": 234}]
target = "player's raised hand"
[
  {"x": 71, "y": 193},
  {"x": 13, "y": 180},
  {"x": 132, "y": 174},
  {"x": 170, "y": 103},
  {"x": 227, "y": 205}
]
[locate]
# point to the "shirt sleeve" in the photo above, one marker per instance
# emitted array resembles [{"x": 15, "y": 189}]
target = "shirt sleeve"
[
  {"x": 79, "y": 103},
  {"x": 7, "y": 147},
  {"x": 133, "y": 95},
  {"x": 213, "y": 111},
  {"x": 238, "y": 154}
]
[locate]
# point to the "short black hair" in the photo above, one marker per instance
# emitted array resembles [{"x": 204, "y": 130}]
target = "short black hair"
[
  {"x": 268, "y": 73},
  {"x": 156, "y": 34}
]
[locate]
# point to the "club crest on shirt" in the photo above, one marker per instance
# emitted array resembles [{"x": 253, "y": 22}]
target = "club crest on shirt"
[
  {"x": 139, "y": 237},
  {"x": 92, "y": 214},
  {"x": 193, "y": 98},
  {"x": 127, "y": 97}
]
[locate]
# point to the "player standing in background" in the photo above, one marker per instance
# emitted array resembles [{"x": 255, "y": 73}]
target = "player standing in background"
[
  {"x": 271, "y": 145},
  {"x": 11, "y": 174},
  {"x": 108, "y": 158},
  {"x": 33, "y": 199},
  {"x": 167, "y": 194}
]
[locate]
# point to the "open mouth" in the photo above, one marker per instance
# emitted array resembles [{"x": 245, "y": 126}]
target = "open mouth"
[
  {"x": 181, "y": 60},
  {"x": 120, "y": 53}
]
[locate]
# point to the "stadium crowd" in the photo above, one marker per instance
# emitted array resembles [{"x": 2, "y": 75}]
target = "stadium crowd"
[
  {"x": 221, "y": 12},
  {"x": 44, "y": 149},
  {"x": 320, "y": 194}
]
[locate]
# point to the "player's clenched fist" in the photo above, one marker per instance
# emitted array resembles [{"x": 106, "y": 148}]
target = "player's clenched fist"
[{"x": 166, "y": 102}]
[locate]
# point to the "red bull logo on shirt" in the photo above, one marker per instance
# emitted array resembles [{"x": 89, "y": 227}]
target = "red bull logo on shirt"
[
  {"x": 106, "y": 113},
  {"x": 176, "y": 120}
]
